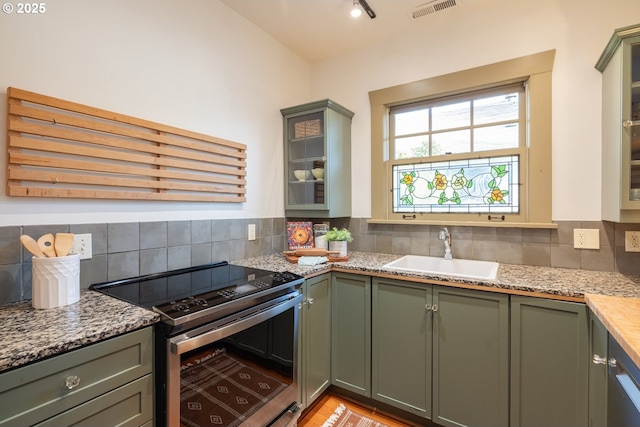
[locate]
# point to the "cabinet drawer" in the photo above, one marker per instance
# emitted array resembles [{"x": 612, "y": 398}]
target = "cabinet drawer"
[
  {"x": 129, "y": 405},
  {"x": 36, "y": 392}
]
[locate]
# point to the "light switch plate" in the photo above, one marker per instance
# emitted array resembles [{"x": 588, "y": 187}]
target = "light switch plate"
[
  {"x": 82, "y": 245},
  {"x": 586, "y": 238}
]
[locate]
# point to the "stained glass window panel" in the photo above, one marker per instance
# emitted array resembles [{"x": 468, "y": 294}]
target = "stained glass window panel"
[{"x": 488, "y": 185}]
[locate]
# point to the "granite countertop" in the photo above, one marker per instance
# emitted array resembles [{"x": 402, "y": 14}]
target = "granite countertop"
[
  {"x": 561, "y": 283},
  {"x": 28, "y": 335}
]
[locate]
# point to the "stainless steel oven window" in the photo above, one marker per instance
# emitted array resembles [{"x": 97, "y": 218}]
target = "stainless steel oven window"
[{"x": 241, "y": 333}]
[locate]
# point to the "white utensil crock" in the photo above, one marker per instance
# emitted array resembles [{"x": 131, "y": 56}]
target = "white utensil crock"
[{"x": 55, "y": 281}]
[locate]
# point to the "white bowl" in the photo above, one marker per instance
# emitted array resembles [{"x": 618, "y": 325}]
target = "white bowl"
[
  {"x": 301, "y": 174},
  {"x": 318, "y": 173}
]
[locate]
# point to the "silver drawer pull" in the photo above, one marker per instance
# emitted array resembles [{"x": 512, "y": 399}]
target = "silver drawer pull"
[
  {"x": 72, "y": 381},
  {"x": 613, "y": 362},
  {"x": 311, "y": 301}
]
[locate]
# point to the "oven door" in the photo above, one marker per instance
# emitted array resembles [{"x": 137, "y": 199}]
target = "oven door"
[{"x": 237, "y": 371}]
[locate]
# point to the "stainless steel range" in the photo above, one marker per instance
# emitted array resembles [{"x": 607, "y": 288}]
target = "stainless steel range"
[{"x": 226, "y": 348}]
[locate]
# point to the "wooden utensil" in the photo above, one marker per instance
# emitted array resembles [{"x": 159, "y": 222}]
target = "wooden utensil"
[
  {"x": 63, "y": 243},
  {"x": 32, "y": 246},
  {"x": 311, "y": 252},
  {"x": 46, "y": 245}
]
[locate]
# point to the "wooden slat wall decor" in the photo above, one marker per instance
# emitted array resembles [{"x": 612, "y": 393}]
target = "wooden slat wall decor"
[{"x": 58, "y": 148}]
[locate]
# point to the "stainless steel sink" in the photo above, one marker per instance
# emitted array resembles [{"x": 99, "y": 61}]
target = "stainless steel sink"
[{"x": 439, "y": 266}]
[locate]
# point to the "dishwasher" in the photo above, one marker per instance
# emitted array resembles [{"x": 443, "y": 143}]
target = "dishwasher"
[{"x": 623, "y": 392}]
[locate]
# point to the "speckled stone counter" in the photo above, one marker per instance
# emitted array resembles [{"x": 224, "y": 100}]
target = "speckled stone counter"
[
  {"x": 560, "y": 283},
  {"x": 28, "y": 335}
]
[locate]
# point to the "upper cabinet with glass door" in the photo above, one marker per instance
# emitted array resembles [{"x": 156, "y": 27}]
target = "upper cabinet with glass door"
[
  {"x": 317, "y": 146},
  {"x": 620, "y": 67}
]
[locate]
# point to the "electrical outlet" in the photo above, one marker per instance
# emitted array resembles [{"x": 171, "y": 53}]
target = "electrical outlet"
[
  {"x": 82, "y": 245},
  {"x": 632, "y": 241},
  {"x": 586, "y": 238},
  {"x": 251, "y": 232}
]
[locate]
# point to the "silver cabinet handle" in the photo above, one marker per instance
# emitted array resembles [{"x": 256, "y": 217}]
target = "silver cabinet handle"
[
  {"x": 613, "y": 362},
  {"x": 310, "y": 301},
  {"x": 72, "y": 381},
  {"x": 627, "y": 124},
  {"x": 598, "y": 360},
  {"x": 433, "y": 308}
]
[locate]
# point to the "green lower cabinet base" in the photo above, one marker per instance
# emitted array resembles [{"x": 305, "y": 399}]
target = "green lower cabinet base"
[
  {"x": 351, "y": 333},
  {"x": 460, "y": 357},
  {"x": 314, "y": 340},
  {"x": 401, "y": 344},
  {"x": 549, "y": 363},
  {"x": 129, "y": 406},
  {"x": 470, "y": 358},
  {"x": 111, "y": 384},
  {"x": 598, "y": 347}
]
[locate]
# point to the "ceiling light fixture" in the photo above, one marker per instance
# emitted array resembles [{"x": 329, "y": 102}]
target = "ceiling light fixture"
[{"x": 355, "y": 12}]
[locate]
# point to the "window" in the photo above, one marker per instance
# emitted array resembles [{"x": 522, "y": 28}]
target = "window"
[
  {"x": 489, "y": 120},
  {"x": 470, "y": 147}
]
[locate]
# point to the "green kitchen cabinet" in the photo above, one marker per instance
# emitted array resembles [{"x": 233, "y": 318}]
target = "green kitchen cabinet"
[
  {"x": 620, "y": 68},
  {"x": 441, "y": 353},
  {"x": 351, "y": 333},
  {"x": 470, "y": 358},
  {"x": 317, "y": 146},
  {"x": 597, "y": 372},
  {"x": 549, "y": 363},
  {"x": 107, "y": 383},
  {"x": 314, "y": 345},
  {"x": 402, "y": 345}
]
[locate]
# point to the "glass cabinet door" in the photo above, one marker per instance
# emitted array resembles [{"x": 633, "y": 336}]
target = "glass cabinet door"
[
  {"x": 634, "y": 124},
  {"x": 306, "y": 157}
]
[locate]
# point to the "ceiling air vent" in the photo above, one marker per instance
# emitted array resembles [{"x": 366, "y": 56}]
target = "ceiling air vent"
[{"x": 432, "y": 7}]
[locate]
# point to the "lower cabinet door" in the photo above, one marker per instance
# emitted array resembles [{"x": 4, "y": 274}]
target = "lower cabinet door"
[
  {"x": 315, "y": 342},
  {"x": 128, "y": 406},
  {"x": 598, "y": 354},
  {"x": 549, "y": 363},
  {"x": 470, "y": 358},
  {"x": 401, "y": 342},
  {"x": 351, "y": 333}
]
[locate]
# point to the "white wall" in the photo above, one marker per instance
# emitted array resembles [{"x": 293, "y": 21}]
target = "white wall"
[
  {"x": 486, "y": 31},
  {"x": 193, "y": 64}
]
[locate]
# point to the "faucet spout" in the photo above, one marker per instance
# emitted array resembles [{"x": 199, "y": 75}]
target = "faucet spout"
[{"x": 445, "y": 236}]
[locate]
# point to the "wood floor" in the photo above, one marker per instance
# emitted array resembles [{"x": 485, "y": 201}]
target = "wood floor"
[{"x": 328, "y": 404}]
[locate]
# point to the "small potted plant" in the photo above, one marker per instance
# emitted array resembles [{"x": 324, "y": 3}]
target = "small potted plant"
[{"x": 338, "y": 240}]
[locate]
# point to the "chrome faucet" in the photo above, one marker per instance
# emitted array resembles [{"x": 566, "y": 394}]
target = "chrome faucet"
[{"x": 445, "y": 236}]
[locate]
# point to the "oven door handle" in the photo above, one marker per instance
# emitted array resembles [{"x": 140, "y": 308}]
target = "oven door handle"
[{"x": 239, "y": 322}]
